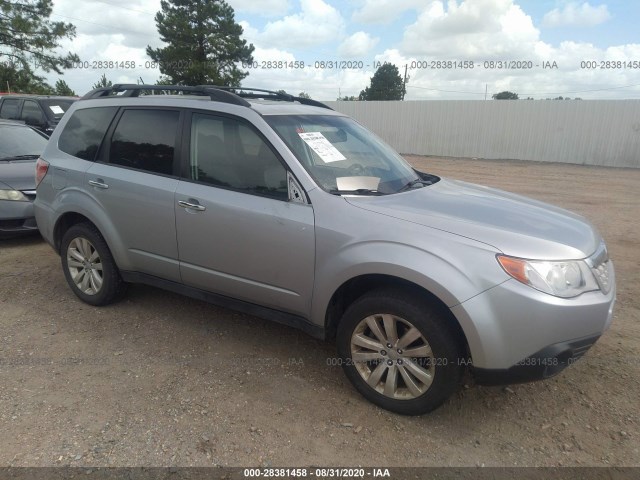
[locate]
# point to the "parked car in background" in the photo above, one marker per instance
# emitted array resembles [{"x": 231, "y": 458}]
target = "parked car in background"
[
  {"x": 38, "y": 111},
  {"x": 281, "y": 207},
  {"x": 20, "y": 147}
]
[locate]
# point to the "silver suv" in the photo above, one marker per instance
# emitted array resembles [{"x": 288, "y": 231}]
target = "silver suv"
[{"x": 283, "y": 208}]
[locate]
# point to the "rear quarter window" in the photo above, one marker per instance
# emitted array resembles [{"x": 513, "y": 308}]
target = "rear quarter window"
[{"x": 83, "y": 133}]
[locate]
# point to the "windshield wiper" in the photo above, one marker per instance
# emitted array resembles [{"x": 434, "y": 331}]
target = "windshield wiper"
[
  {"x": 358, "y": 191},
  {"x": 20, "y": 157},
  {"x": 412, "y": 183}
]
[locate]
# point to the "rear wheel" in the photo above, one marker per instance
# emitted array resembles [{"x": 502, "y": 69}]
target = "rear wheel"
[
  {"x": 89, "y": 267},
  {"x": 400, "y": 352}
]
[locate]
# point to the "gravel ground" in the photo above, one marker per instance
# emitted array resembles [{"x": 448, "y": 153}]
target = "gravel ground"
[{"x": 159, "y": 379}]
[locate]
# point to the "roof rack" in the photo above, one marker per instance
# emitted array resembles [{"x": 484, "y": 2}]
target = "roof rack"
[
  {"x": 133, "y": 90},
  {"x": 232, "y": 95},
  {"x": 246, "y": 92}
]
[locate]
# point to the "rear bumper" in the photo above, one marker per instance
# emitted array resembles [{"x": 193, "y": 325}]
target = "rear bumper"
[{"x": 543, "y": 364}]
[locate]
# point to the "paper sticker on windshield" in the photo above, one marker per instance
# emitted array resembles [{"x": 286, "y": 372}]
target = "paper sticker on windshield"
[
  {"x": 322, "y": 146},
  {"x": 56, "y": 109}
]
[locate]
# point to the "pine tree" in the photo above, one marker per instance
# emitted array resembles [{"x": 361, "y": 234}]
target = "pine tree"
[
  {"x": 63, "y": 89},
  {"x": 203, "y": 43},
  {"x": 103, "y": 82},
  {"x": 22, "y": 80},
  {"x": 27, "y": 36},
  {"x": 386, "y": 84}
]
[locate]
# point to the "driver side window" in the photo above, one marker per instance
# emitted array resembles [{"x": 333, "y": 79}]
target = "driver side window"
[{"x": 229, "y": 153}]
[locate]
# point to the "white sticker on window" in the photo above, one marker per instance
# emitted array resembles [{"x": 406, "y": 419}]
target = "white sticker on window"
[
  {"x": 56, "y": 109},
  {"x": 322, "y": 146}
]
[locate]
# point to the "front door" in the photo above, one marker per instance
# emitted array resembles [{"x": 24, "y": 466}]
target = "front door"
[{"x": 238, "y": 235}]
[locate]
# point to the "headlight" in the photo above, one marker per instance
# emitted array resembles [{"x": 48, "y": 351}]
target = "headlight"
[
  {"x": 562, "y": 279},
  {"x": 14, "y": 195}
]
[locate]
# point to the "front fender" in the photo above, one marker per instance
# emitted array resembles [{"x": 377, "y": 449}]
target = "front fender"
[{"x": 442, "y": 273}]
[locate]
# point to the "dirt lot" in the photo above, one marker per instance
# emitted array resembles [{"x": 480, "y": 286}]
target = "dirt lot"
[{"x": 160, "y": 379}]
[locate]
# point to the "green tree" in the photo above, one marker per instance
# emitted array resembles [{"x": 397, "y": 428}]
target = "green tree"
[
  {"x": 164, "y": 81},
  {"x": 505, "y": 96},
  {"x": 203, "y": 43},
  {"x": 22, "y": 80},
  {"x": 63, "y": 89},
  {"x": 103, "y": 82},
  {"x": 304, "y": 95},
  {"x": 386, "y": 84},
  {"x": 347, "y": 98},
  {"x": 28, "y": 36}
]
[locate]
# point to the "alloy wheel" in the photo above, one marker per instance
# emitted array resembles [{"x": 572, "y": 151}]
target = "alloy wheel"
[
  {"x": 85, "y": 266},
  {"x": 392, "y": 356}
]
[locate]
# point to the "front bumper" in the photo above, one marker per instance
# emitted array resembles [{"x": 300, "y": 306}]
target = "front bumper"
[
  {"x": 515, "y": 332},
  {"x": 16, "y": 218},
  {"x": 546, "y": 363}
]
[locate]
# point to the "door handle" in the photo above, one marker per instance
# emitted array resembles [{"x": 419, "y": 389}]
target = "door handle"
[
  {"x": 192, "y": 206},
  {"x": 98, "y": 183}
]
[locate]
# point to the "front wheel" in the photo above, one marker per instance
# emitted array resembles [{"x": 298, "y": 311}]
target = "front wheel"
[
  {"x": 89, "y": 267},
  {"x": 399, "y": 352}
]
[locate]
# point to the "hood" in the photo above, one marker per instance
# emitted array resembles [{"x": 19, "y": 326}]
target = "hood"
[
  {"x": 18, "y": 174},
  {"x": 511, "y": 223}
]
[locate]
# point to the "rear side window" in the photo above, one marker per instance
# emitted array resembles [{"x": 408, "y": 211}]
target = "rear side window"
[
  {"x": 145, "y": 140},
  {"x": 31, "y": 112},
  {"x": 9, "y": 108},
  {"x": 85, "y": 130}
]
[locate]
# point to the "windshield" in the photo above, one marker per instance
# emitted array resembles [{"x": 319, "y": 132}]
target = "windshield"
[
  {"x": 18, "y": 141},
  {"x": 56, "y": 107},
  {"x": 341, "y": 155}
]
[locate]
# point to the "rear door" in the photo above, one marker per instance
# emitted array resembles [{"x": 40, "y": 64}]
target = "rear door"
[
  {"x": 32, "y": 114},
  {"x": 238, "y": 234},
  {"x": 135, "y": 180}
]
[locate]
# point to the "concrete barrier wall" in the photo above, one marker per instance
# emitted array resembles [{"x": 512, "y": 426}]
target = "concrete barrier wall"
[{"x": 589, "y": 132}]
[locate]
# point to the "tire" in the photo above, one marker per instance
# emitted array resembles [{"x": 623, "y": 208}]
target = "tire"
[
  {"x": 88, "y": 266},
  {"x": 420, "y": 370}
]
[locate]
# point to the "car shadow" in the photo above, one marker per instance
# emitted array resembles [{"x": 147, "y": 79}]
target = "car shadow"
[{"x": 23, "y": 240}]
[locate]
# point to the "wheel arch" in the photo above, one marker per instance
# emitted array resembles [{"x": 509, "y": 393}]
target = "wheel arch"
[
  {"x": 357, "y": 286},
  {"x": 92, "y": 213},
  {"x": 64, "y": 223}
]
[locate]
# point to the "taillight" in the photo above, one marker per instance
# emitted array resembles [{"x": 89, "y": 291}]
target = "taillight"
[{"x": 42, "y": 167}]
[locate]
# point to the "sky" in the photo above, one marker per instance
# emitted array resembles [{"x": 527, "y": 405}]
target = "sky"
[{"x": 536, "y": 48}]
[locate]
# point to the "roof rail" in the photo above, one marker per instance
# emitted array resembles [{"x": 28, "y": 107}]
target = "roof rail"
[
  {"x": 246, "y": 92},
  {"x": 232, "y": 95},
  {"x": 133, "y": 90}
]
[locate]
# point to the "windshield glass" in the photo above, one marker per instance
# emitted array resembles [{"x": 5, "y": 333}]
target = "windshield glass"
[
  {"x": 57, "y": 107},
  {"x": 19, "y": 140},
  {"x": 341, "y": 155}
]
